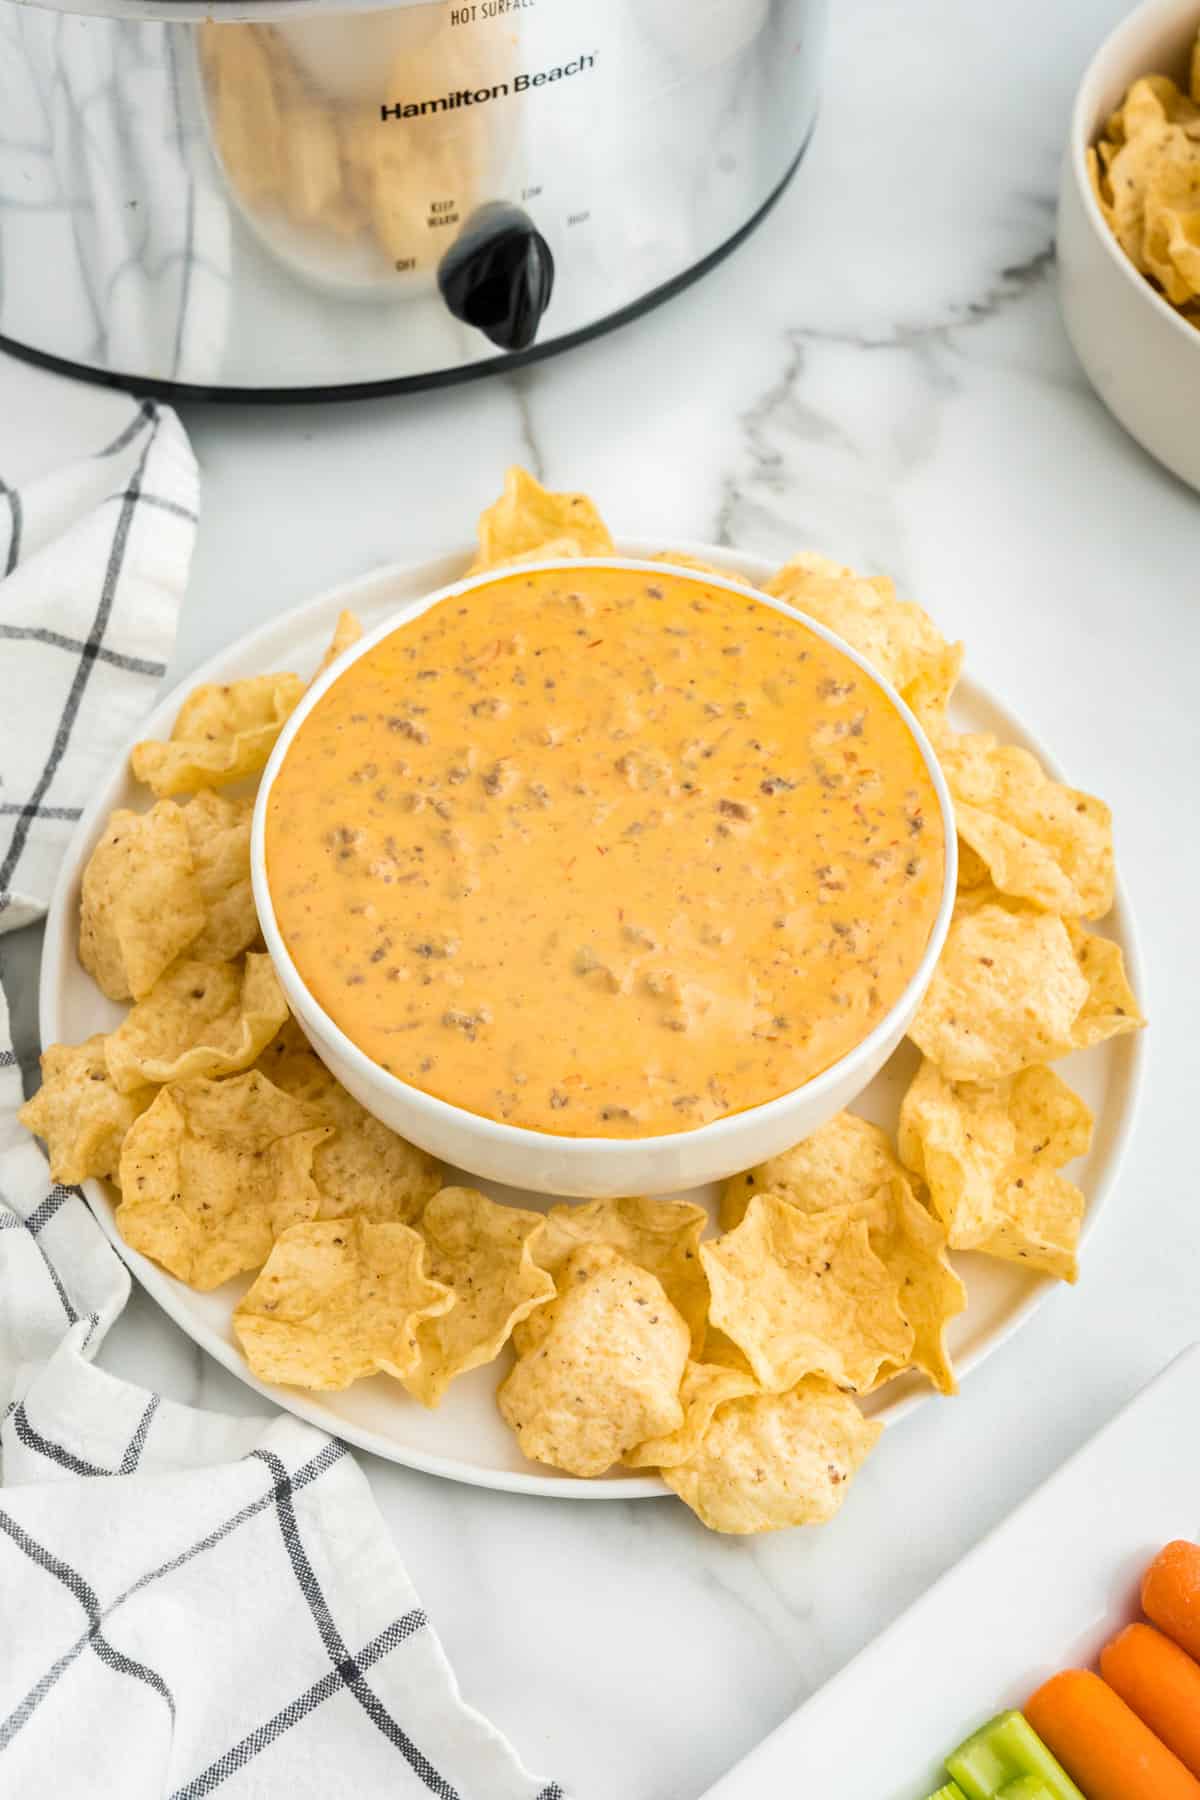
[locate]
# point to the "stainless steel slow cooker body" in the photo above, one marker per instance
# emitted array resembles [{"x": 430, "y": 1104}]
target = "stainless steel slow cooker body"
[{"x": 282, "y": 197}]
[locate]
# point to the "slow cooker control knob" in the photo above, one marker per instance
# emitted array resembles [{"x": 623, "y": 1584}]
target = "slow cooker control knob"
[{"x": 498, "y": 275}]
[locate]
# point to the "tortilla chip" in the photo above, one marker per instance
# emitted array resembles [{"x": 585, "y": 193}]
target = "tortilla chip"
[
  {"x": 1111, "y": 1008},
  {"x": 775, "y": 1460},
  {"x": 482, "y": 1252},
  {"x": 1039, "y": 840},
  {"x": 223, "y": 733},
  {"x": 337, "y": 1300},
  {"x": 79, "y": 1115},
  {"x": 219, "y": 833},
  {"x": 808, "y": 563},
  {"x": 1098, "y": 178},
  {"x": 606, "y": 1374},
  {"x": 972, "y": 870},
  {"x": 897, "y": 637},
  {"x": 529, "y": 522},
  {"x": 363, "y": 1168},
  {"x": 990, "y": 1154},
  {"x": 1154, "y": 101},
  {"x": 705, "y": 1387},
  {"x": 844, "y": 1163},
  {"x": 198, "y": 1019},
  {"x": 213, "y": 1172},
  {"x": 141, "y": 902},
  {"x": 850, "y": 1165},
  {"x": 913, "y": 1250},
  {"x": 804, "y": 1294},
  {"x": 347, "y": 631},
  {"x": 679, "y": 559},
  {"x": 1154, "y": 163},
  {"x": 1005, "y": 994},
  {"x": 1171, "y": 237},
  {"x": 662, "y": 1236}
]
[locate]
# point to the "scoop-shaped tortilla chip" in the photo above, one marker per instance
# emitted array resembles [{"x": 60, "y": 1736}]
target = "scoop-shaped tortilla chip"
[
  {"x": 605, "y": 1373},
  {"x": 679, "y": 559},
  {"x": 219, "y": 833},
  {"x": 1171, "y": 238},
  {"x": 141, "y": 902},
  {"x": 1154, "y": 100},
  {"x": 347, "y": 631},
  {"x": 78, "y": 1113},
  {"x": 972, "y": 870},
  {"x": 363, "y": 1167},
  {"x": 482, "y": 1252},
  {"x": 662, "y": 1236},
  {"x": 1040, "y": 841},
  {"x": 913, "y": 1250},
  {"x": 213, "y": 1172},
  {"x": 705, "y": 1387},
  {"x": 804, "y": 1294},
  {"x": 1111, "y": 1008},
  {"x": 775, "y": 1460},
  {"x": 337, "y": 1300},
  {"x": 851, "y": 1164},
  {"x": 198, "y": 1019},
  {"x": 990, "y": 1154},
  {"x": 1157, "y": 159},
  {"x": 897, "y": 637},
  {"x": 224, "y": 733},
  {"x": 844, "y": 1163},
  {"x": 1005, "y": 994},
  {"x": 528, "y": 521}
]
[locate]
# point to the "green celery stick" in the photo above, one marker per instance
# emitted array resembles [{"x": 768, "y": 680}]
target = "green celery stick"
[
  {"x": 1027, "y": 1788},
  {"x": 1006, "y": 1760}
]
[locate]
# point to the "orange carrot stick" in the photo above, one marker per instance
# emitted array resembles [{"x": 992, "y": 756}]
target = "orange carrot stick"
[
  {"x": 1162, "y": 1685},
  {"x": 1171, "y": 1594},
  {"x": 1102, "y": 1744}
]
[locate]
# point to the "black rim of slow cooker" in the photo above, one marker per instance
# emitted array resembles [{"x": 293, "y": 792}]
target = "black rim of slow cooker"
[{"x": 145, "y": 387}]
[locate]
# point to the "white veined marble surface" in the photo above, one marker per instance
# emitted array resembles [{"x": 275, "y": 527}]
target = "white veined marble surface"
[{"x": 880, "y": 373}]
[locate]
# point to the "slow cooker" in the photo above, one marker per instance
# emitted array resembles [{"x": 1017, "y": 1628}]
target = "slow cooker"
[{"x": 294, "y": 197}]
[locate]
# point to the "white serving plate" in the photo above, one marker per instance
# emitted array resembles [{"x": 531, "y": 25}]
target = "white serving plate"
[
  {"x": 465, "y": 1439},
  {"x": 1044, "y": 1591}
]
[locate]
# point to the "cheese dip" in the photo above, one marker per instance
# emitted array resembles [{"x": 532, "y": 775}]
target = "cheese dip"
[{"x": 604, "y": 853}]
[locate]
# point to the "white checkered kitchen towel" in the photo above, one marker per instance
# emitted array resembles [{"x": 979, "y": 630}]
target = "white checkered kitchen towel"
[{"x": 189, "y": 1604}]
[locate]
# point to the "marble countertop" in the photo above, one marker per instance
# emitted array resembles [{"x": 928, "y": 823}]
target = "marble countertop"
[{"x": 880, "y": 373}]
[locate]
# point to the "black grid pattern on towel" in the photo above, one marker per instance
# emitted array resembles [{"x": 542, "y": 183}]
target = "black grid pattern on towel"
[
  {"x": 24, "y": 810},
  {"x": 347, "y": 1671}
]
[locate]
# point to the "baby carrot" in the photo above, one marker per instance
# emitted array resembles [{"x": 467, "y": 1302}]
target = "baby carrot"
[
  {"x": 1161, "y": 1683},
  {"x": 1171, "y": 1594},
  {"x": 1102, "y": 1744}
]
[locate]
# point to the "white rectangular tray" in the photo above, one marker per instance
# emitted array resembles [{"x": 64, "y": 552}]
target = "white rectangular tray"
[{"x": 1043, "y": 1592}]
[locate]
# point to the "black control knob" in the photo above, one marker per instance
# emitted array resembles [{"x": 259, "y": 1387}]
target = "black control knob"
[{"x": 498, "y": 275}]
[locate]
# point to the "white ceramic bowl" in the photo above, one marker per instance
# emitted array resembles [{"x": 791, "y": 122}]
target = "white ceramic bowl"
[
  {"x": 1142, "y": 359},
  {"x": 587, "y": 1167}
]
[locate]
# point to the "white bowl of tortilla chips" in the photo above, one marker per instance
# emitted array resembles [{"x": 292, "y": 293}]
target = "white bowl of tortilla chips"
[{"x": 1129, "y": 229}]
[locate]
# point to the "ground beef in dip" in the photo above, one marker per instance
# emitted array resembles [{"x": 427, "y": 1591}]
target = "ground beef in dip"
[{"x": 603, "y": 853}]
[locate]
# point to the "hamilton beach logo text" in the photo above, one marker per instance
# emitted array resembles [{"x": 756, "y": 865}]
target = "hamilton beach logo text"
[{"x": 520, "y": 84}]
